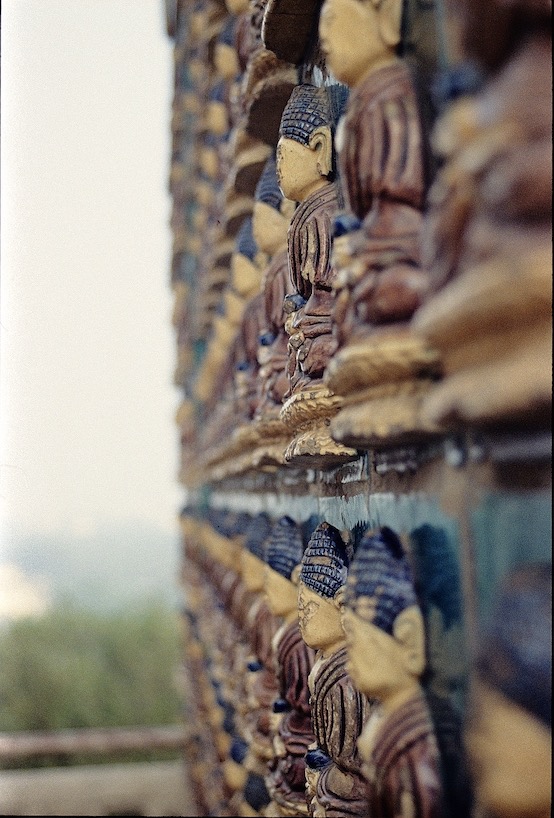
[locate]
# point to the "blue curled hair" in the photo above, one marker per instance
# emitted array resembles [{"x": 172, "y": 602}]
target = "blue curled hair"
[
  {"x": 382, "y": 572},
  {"x": 284, "y": 547},
  {"x": 325, "y": 561}
]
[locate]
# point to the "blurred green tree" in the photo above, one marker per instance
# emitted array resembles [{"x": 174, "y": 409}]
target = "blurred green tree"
[{"x": 73, "y": 668}]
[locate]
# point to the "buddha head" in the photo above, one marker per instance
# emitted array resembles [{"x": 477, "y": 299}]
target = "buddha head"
[
  {"x": 225, "y": 55},
  {"x": 217, "y": 115},
  {"x": 383, "y": 622},
  {"x": 253, "y": 553},
  {"x": 359, "y": 36},
  {"x": 272, "y": 212},
  {"x": 320, "y": 589},
  {"x": 245, "y": 273},
  {"x": 236, "y": 6},
  {"x": 305, "y": 155},
  {"x": 440, "y": 598},
  {"x": 208, "y": 158},
  {"x": 283, "y": 555},
  {"x": 509, "y": 732}
]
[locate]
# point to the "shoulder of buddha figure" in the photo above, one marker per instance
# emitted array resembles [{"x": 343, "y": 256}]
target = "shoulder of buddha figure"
[
  {"x": 339, "y": 712},
  {"x": 274, "y": 268},
  {"x": 394, "y": 80},
  {"x": 328, "y": 198},
  {"x": 243, "y": 39},
  {"x": 407, "y": 732},
  {"x": 529, "y": 66},
  {"x": 292, "y": 650},
  {"x": 265, "y": 626},
  {"x": 331, "y": 670},
  {"x": 291, "y": 640},
  {"x": 253, "y": 610},
  {"x": 332, "y": 678},
  {"x": 240, "y": 604},
  {"x": 295, "y": 661},
  {"x": 276, "y": 283},
  {"x": 324, "y": 199},
  {"x": 375, "y": 97},
  {"x": 278, "y": 635}
]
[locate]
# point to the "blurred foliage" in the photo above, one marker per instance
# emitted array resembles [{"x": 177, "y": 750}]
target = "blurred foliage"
[{"x": 73, "y": 668}]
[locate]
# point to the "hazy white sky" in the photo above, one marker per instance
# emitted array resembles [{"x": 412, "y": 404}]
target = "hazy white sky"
[{"x": 87, "y": 402}]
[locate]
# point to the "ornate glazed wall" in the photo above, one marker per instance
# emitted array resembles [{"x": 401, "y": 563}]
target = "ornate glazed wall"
[{"x": 362, "y": 279}]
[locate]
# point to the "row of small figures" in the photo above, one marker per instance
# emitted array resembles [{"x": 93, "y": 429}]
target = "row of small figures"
[{"x": 334, "y": 709}]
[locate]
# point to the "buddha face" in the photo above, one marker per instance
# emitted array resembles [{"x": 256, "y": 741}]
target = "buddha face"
[
  {"x": 226, "y": 61},
  {"x": 236, "y": 6},
  {"x": 510, "y": 754},
  {"x": 301, "y": 169},
  {"x": 245, "y": 275},
  {"x": 355, "y": 36},
  {"x": 217, "y": 119},
  {"x": 280, "y": 593},
  {"x": 252, "y": 571},
  {"x": 209, "y": 162},
  {"x": 269, "y": 227},
  {"x": 383, "y": 666},
  {"x": 319, "y": 619}
]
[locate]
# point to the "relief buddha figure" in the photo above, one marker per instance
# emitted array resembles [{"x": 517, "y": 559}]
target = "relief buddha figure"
[
  {"x": 226, "y": 61},
  {"x": 261, "y": 342},
  {"x": 229, "y": 652},
  {"x": 292, "y": 722},
  {"x": 233, "y": 525},
  {"x": 222, "y": 694},
  {"x": 270, "y": 222},
  {"x": 253, "y": 669},
  {"x": 246, "y": 361},
  {"x": 212, "y": 377},
  {"x": 386, "y": 658},
  {"x": 245, "y": 38},
  {"x": 336, "y": 787},
  {"x": 306, "y": 172},
  {"x": 509, "y": 730},
  {"x": 488, "y": 234},
  {"x": 379, "y": 280},
  {"x": 245, "y": 272},
  {"x": 260, "y": 687},
  {"x": 216, "y": 430},
  {"x": 229, "y": 589},
  {"x": 227, "y": 377}
]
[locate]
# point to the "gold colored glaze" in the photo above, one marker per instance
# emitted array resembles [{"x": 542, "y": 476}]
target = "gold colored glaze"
[
  {"x": 302, "y": 170},
  {"x": 270, "y": 226},
  {"x": 226, "y": 61},
  {"x": 245, "y": 276},
  {"x": 235, "y": 775},
  {"x": 511, "y": 756},
  {"x": 217, "y": 118},
  {"x": 281, "y": 595},
  {"x": 320, "y": 621},
  {"x": 236, "y": 6},
  {"x": 252, "y": 571},
  {"x": 359, "y": 37},
  {"x": 307, "y": 413},
  {"x": 384, "y": 666}
]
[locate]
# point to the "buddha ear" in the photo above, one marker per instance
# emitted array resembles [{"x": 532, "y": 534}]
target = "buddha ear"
[
  {"x": 338, "y": 599},
  {"x": 295, "y": 574},
  {"x": 390, "y": 18},
  {"x": 321, "y": 142},
  {"x": 409, "y": 631}
]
